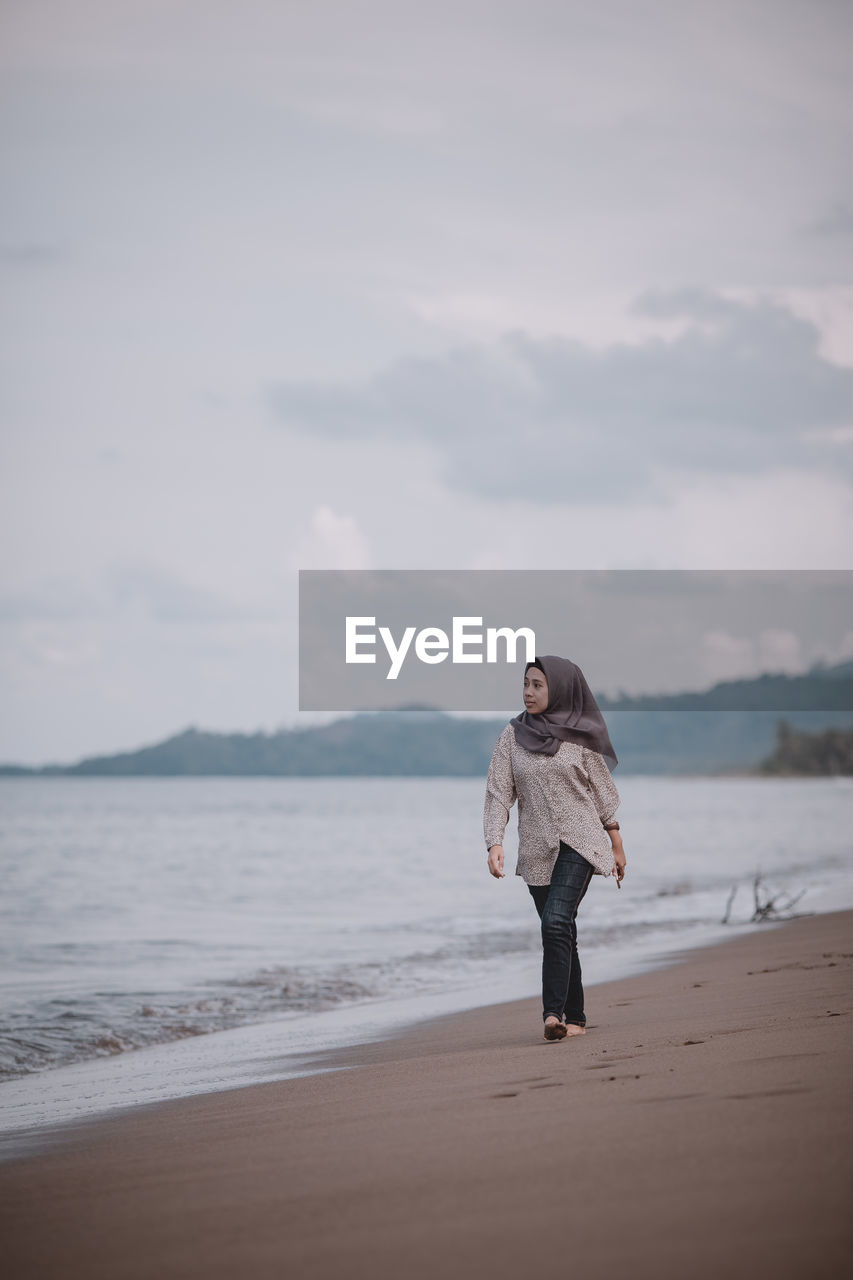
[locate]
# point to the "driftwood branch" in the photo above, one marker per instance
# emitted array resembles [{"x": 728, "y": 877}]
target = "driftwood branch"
[
  {"x": 774, "y": 906},
  {"x": 768, "y": 905}
]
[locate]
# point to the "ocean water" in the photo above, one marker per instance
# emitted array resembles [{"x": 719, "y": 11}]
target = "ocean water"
[{"x": 141, "y": 912}]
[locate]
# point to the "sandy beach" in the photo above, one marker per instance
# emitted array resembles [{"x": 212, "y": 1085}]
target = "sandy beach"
[{"x": 702, "y": 1126}]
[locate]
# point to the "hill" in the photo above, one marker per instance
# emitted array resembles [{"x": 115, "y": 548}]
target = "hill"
[{"x": 731, "y": 727}]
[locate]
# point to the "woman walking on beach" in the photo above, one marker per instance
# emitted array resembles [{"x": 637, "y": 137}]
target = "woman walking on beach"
[{"x": 552, "y": 759}]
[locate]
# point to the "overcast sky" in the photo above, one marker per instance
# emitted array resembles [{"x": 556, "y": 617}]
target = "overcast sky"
[{"x": 401, "y": 285}]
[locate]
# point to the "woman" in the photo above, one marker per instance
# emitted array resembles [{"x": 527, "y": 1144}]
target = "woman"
[{"x": 551, "y": 758}]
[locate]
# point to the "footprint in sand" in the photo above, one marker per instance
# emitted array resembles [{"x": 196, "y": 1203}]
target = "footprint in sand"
[
  {"x": 539, "y": 1082},
  {"x": 768, "y": 1093}
]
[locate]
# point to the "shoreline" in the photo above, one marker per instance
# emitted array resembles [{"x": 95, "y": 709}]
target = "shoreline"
[
  {"x": 702, "y": 1123},
  {"x": 37, "y": 1108}
]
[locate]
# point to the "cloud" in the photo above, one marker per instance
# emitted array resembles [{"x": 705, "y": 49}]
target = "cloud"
[
  {"x": 332, "y": 542},
  {"x": 843, "y": 651},
  {"x": 728, "y": 657},
  {"x": 838, "y": 221},
  {"x": 779, "y": 650},
  {"x": 738, "y": 390},
  {"x": 396, "y": 117},
  {"x": 31, "y": 254},
  {"x": 164, "y": 597},
  {"x": 140, "y": 588},
  {"x": 56, "y": 599}
]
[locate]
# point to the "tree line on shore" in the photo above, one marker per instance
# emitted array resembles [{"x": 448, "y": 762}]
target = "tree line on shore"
[{"x": 825, "y": 754}]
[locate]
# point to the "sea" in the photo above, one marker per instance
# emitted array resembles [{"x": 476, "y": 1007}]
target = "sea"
[{"x": 161, "y": 937}]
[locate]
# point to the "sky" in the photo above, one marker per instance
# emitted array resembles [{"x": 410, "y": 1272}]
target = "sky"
[{"x": 469, "y": 285}]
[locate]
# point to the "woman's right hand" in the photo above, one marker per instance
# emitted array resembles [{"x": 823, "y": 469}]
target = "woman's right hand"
[{"x": 496, "y": 861}]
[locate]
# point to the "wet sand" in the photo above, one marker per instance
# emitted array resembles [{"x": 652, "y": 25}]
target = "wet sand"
[{"x": 701, "y": 1127}]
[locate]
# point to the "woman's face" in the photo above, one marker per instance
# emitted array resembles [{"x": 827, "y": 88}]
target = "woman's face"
[{"x": 535, "y": 691}]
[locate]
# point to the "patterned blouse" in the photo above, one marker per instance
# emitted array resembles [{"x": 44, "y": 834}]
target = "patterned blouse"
[{"x": 567, "y": 796}]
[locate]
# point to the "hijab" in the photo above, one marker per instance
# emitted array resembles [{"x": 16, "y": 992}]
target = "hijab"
[{"x": 572, "y": 713}]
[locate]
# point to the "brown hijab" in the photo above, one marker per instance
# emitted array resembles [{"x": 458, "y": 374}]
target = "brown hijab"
[{"x": 572, "y": 713}]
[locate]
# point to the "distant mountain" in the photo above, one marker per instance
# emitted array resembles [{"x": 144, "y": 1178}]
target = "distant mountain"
[
  {"x": 401, "y": 743},
  {"x": 822, "y": 688},
  {"x": 731, "y": 727}
]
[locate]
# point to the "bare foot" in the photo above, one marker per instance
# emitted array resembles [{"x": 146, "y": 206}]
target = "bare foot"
[
  {"x": 574, "y": 1029},
  {"x": 555, "y": 1028}
]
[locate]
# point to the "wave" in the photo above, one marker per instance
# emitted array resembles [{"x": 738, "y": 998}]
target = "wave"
[{"x": 57, "y": 1032}]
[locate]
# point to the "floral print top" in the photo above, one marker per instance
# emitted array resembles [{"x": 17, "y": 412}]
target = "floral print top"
[{"x": 567, "y": 796}]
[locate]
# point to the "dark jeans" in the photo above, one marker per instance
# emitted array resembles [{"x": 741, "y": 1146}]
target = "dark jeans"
[{"x": 557, "y": 904}]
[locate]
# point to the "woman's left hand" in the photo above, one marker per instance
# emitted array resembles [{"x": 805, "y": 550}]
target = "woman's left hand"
[{"x": 619, "y": 864}]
